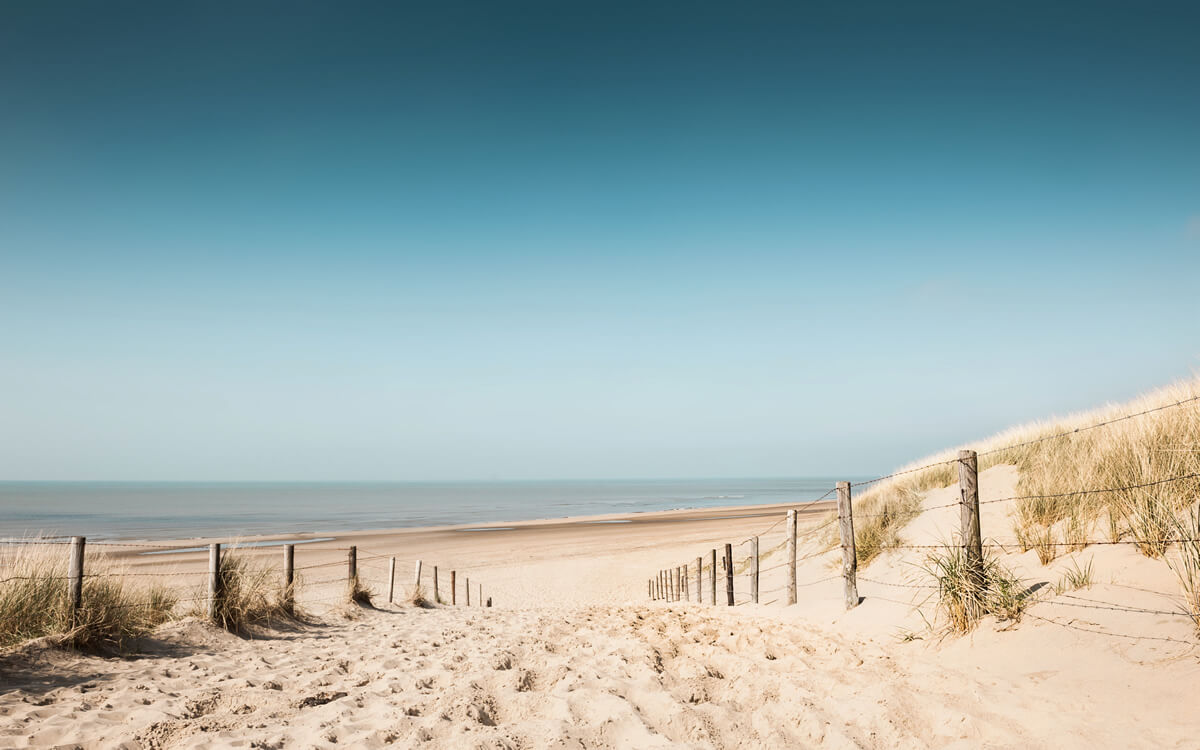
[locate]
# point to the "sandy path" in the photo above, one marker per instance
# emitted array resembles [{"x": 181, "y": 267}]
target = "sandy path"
[
  {"x": 574, "y": 656},
  {"x": 611, "y": 677}
]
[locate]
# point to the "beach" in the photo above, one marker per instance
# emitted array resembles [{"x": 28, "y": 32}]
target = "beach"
[{"x": 573, "y": 653}]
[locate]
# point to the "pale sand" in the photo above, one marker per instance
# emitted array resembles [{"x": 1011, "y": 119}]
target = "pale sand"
[{"x": 573, "y": 655}]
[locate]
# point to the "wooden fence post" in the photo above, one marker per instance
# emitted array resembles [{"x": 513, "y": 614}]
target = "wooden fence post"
[
  {"x": 687, "y": 589},
  {"x": 712, "y": 579},
  {"x": 75, "y": 577},
  {"x": 754, "y": 569},
  {"x": 437, "y": 598},
  {"x": 351, "y": 565},
  {"x": 849, "y": 551},
  {"x": 480, "y": 599},
  {"x": 700, "y": 580},
  {"x": 391, "y": 580},
  {"x": 468, "y": 590},
  {"x": 972, "y": 541},
  {"x": 729, "y": 575},
  {"x": 214, "y": 579},
  {"x": 417, "y": 581},
  {"x": 791, "y": 556},
  {"x": 289, "y": 578},
  {"x": 453, "y": 588}
]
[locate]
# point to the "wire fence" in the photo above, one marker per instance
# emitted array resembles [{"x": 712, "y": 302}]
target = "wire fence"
[
  {"x": 735, "y": 580},
  {"x": 83, "y": 576},
  {"x": 727, "y": 574}
]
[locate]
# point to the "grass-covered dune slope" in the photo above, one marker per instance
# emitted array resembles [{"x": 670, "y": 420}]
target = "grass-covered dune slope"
[{"x": 1122, "y": 472}]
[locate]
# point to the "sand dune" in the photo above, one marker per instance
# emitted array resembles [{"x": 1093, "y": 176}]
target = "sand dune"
[{"x": 573, "y": 655}]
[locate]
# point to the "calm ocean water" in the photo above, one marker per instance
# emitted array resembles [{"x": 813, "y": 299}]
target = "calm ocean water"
[{"x": 160, "y": 510}]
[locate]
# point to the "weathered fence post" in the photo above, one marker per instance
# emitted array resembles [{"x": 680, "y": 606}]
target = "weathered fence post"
[
  {"x": 214, "y": 579},
  {"x": 687, "y": 589},
  {"x": 480, "y": 599},
  {"x": 351, "y": 565},
  {"x": 849, "y": 551},
  {"x": 712, "y": 579},
  {"x": 437, "y": 598},
  {"x": 468, "y": 590},
  {"x": 678, "y": 585},
  {"x": 75, "y": 577},
  {"x": 391, "y": 580},
  {"x": 417, "y": 581},
  {"x": 754, "y": 569},
  {"x": 453, "y": 588},
  {"x": 968, "y": 486},
  {"x": 700, "y": 580},
  {"x": 791, "y": 556},
  {"x": 729, "y": 575},
  {"x": 289, "y": 578}
]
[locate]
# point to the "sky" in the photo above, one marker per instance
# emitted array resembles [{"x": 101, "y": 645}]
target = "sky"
[{"x": 582, "y": 240}]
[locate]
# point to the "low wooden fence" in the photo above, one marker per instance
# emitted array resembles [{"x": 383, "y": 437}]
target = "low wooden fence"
[{"x": 207, "y": 587}]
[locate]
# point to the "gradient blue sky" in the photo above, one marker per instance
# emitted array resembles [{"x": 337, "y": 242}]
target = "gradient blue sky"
[{"x": 556, "y": 240}]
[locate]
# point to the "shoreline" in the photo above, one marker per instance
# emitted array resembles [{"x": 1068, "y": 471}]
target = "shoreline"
[{"x": 626, "y": 519}]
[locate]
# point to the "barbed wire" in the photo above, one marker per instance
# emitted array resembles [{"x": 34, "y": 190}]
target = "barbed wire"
[
  {"x": 897, "y": 585},
  {"x": 903, "y": 472},
  {"x": 1116, "y": 608},
  {"x": 819, "y": 580},
  {"x": 1094, "y": 491},
  {"x": 1110, "y": 633},
  {"x": 768, "y": 530},
  {"x": 1022, "y": 444},
  {"x": 1105, "y": 423},
  {"x": 1073, "y": 493}
]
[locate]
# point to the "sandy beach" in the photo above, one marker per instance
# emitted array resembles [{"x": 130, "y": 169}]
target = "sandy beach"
[{"x": 573, "y": 654}]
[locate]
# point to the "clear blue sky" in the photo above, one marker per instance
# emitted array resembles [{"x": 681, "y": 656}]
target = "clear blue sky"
[{"x": 507, "y": 240}]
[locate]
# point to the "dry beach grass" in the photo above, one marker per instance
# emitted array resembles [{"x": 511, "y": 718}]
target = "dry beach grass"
[{"x": 1067, "y": 644}]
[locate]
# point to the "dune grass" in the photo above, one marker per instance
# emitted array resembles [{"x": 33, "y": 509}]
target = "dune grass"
[
  {"x": 885, "y": 508},
  {"x": 1138, "y": 451},
  {"x": 359, "y": 593},
  {"x": 963, "y": 600},
  {"x": 420, "y": 597},
  {"x": 1074, "y": 578},
  {"x": 115, "y": 609},
  {"x": 1185, "y": 561},
  {"x": 252, "y": 593}
]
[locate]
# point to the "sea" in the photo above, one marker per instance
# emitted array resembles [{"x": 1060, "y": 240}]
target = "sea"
[{"x": 182, "y": 510}]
